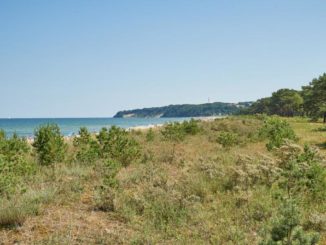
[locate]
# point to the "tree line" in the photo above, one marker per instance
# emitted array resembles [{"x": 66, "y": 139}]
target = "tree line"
[{"x": 309, "y": 101}]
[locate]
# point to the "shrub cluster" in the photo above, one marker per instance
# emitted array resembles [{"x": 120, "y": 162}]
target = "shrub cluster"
[
  {"x": 14, "y": 163},
  {"x": 276, "y": 130}
]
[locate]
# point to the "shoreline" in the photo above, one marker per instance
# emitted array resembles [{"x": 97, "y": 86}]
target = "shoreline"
[{"x": 68, "y": 138}]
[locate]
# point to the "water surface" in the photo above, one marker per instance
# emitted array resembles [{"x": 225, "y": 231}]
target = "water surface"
[{"x": 25, "y": 127}]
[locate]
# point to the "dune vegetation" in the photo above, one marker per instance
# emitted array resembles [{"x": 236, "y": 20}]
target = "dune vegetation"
[{"x": 237, "y": 180}]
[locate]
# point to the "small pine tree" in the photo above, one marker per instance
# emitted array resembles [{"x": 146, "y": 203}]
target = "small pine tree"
[
  {"x": 286, "y": 228},
  {"x": 87, "y": 147},
  {"x": 49, "y": 144}
]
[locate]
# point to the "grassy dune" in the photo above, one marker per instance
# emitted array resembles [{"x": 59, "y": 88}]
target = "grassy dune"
[{"x": 192, "y": 190}]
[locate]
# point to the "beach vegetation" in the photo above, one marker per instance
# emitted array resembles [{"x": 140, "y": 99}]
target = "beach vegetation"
[
  {"x": 115, "y": 191},
  {"x": 227, "y": 139},
  {"x": 277, "y": 131},
  {"x": 117, "y": 144},
  {"x": 87, "y": 147},
  {"x": 150, "y": 135},
  {"x": 49, "y": 144}
]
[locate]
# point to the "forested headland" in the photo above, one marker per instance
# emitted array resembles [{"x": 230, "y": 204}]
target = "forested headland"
[{"x": 186, "y": 110}]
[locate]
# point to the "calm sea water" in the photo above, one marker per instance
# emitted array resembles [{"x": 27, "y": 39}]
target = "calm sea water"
[{"x": 70, "y": 126}]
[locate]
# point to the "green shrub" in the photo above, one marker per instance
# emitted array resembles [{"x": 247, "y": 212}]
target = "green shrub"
[
  {"x": 12, "y": 172},
  {"x": 49, "y": 144},
  {"x": 228, "y": 139},
  {"x": 191, "y": 127},
  {"x": 277, "y": 131},
  {"x": 286, "y": 228},
  {"x": 302, "y": 172},
  {"x": 13, "y": 146},
  {"x": 173, "y": 132},
  {"x": 14, "y": 163},
  {"x": 150, "y": 135},
  {"x": 87, "y": 147},
  {"x": 118, "y": 145}
]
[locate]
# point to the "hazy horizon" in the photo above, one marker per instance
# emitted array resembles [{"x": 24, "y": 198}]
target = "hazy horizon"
[{"x": 78, "y": 59}]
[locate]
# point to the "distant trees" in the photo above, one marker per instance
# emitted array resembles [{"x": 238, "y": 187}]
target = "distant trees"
[
  {"x": 310, "y": 101},
  {"x": 315, "y": 98},
  {"x": 284, "y": 102}
]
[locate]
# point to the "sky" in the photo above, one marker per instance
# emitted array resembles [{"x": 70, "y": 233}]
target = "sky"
[{"x": 78, "y": 58}]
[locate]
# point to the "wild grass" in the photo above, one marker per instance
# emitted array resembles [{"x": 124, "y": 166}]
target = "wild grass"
[{"x": 205, "y": 193}]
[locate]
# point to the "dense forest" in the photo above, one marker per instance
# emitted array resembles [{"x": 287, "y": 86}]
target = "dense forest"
[
  {"x": 187, "y": 110},
  {"x": 310, "y": 101}
]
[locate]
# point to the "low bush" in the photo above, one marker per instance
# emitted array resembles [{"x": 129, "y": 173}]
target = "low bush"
[
  {"x": 87, "y": 148},
  {"x": 302, "y": 172},
  {"x": 14, "y": 164},
  {"x": 227, "y": 139},
  {"x": 117, "y": 144},
  {"x": 49, "y": 144},
  {"x": 277, "y": 130},
  {"x": 191, "y": 127}
]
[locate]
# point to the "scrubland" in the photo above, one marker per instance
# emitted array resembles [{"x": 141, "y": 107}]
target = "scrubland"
[{"x": 237, "y": 180}]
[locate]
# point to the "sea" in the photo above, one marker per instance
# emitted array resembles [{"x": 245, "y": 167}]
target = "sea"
[{"x": 25, "y": 127}]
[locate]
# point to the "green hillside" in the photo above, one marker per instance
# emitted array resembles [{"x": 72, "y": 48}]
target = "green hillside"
[{"x": 186, "y": 110}]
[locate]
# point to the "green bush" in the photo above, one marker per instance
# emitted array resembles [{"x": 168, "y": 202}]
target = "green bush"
[
  {"x": 117, "y": 144},
  {"x": 49, "y": 144},
  {"x": 173, "y": 132},
  {"x": 228, "y": 139},
  {"x": 14, "y": 163},
  {"x": 277, "y": 131},
  {"x": 87, "y": 147},
  {"x": 302, "y": 172},
  {"x": 12, "y": 173},
  {"x": 286, "y": 228},
  {"x": 191, "y": 127}
]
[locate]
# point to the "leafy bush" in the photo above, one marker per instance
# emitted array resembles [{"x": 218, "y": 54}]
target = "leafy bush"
[
  {"x": 49, "y": 144},
  {"x": 277, "y": 131},
  {"x": 227, "y": 139},
  {"x": 87, "y": 147},
  {"x": 117, "y": 144}
]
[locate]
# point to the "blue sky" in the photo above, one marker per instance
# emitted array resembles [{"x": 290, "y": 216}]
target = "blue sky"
[{"x": 92, "y": 58}]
